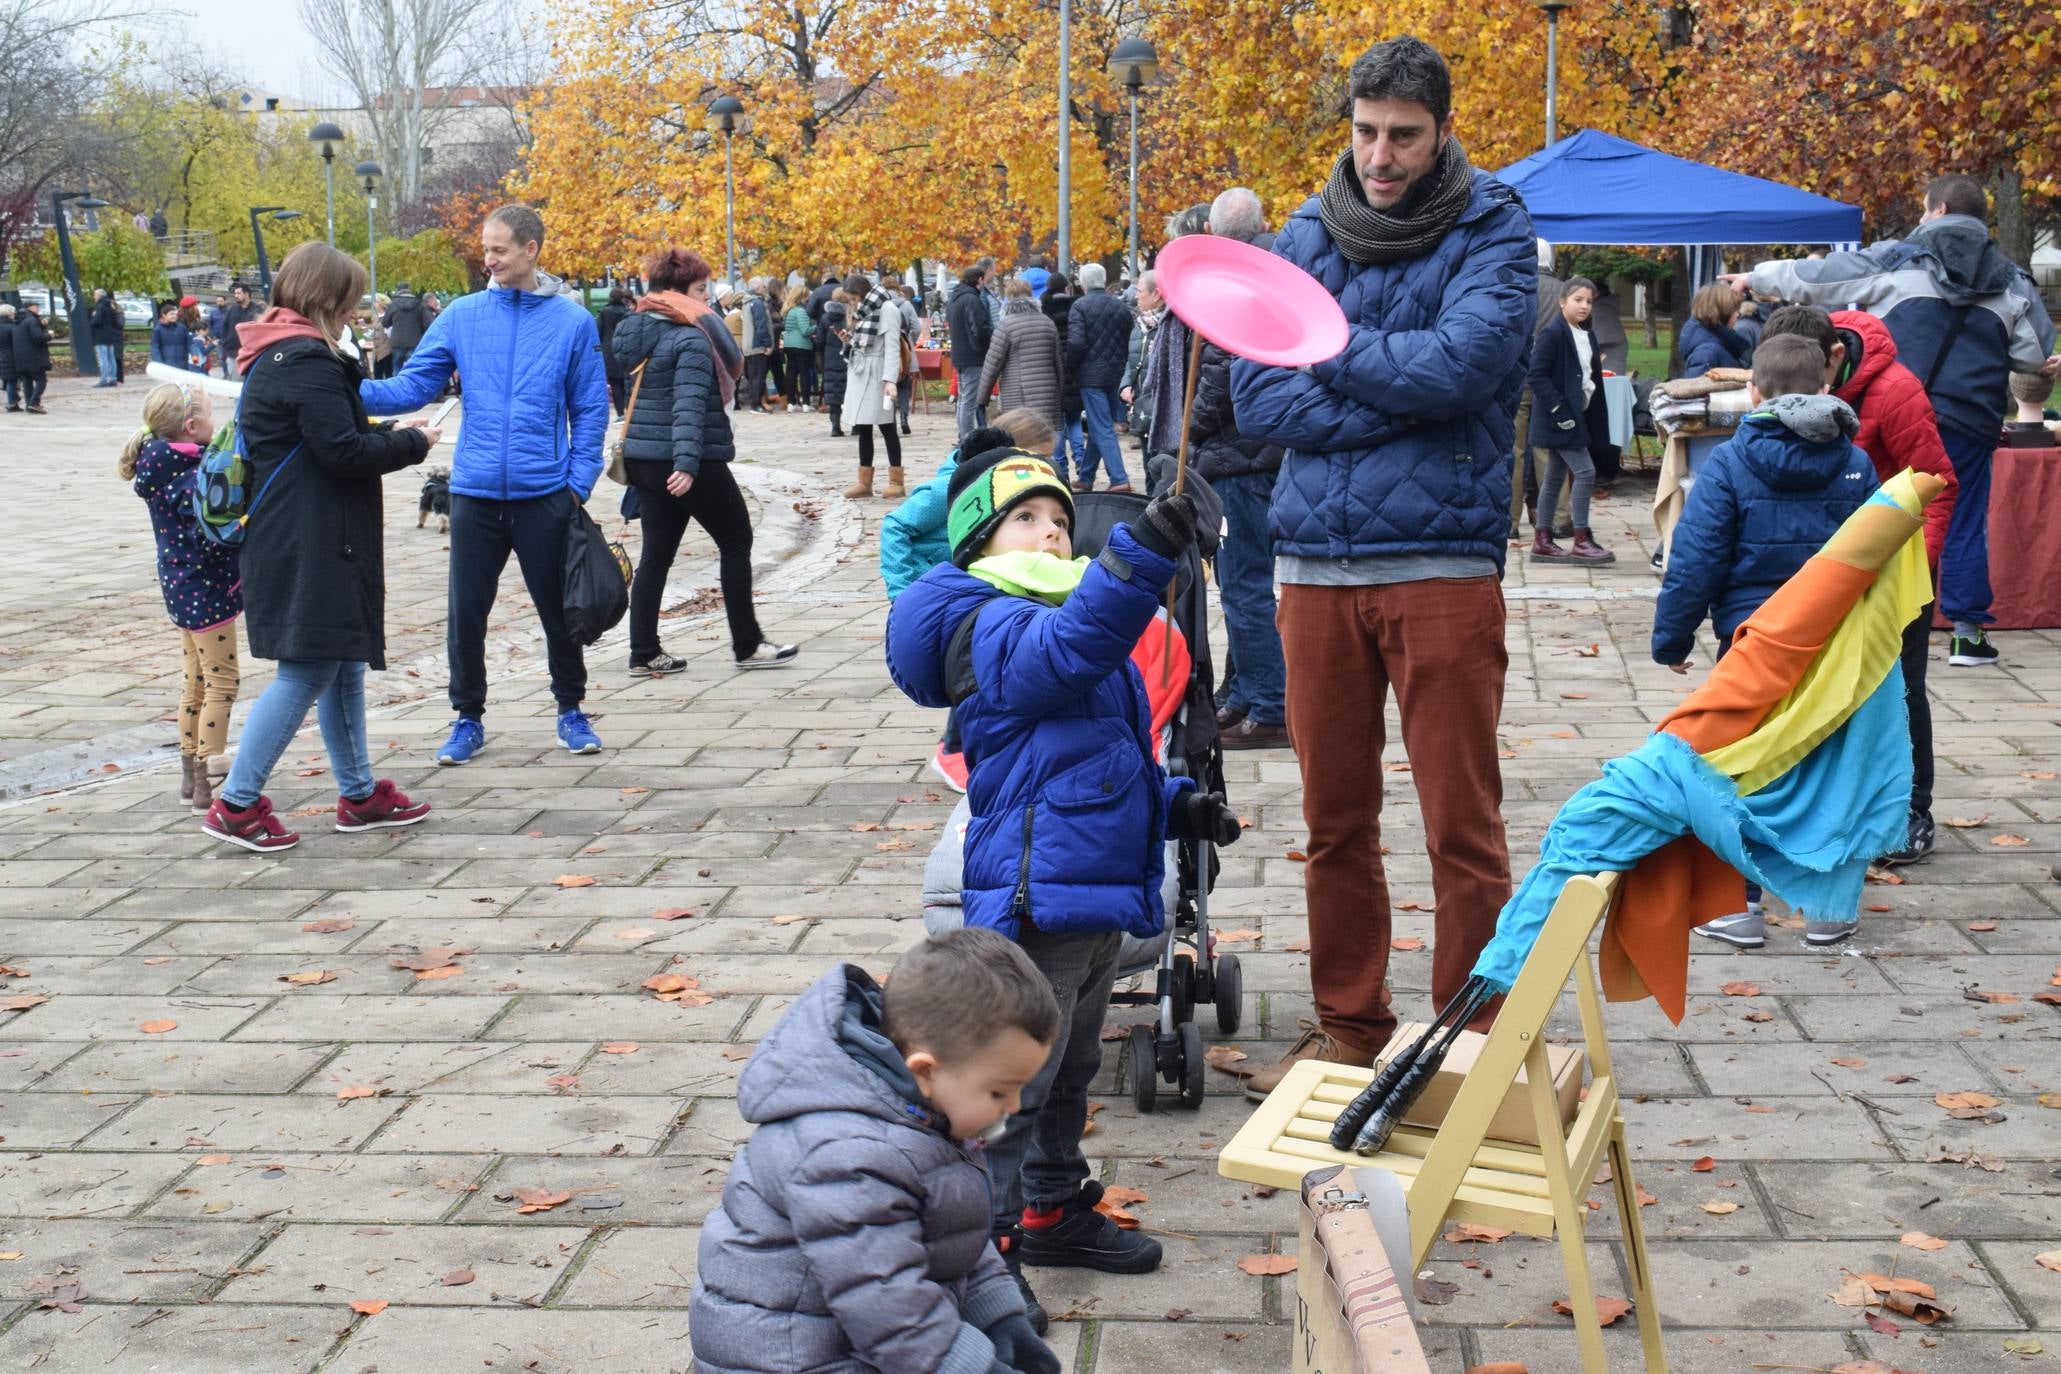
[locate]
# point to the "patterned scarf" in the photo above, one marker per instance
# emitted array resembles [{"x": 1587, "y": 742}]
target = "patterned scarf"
[
  {"x": 1426, "y": 213},
  {"x": 866, "y": 329}
]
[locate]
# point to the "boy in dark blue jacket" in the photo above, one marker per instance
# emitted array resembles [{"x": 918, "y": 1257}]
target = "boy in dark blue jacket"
[
  {"x": 1762, "y": 504},
  {"x": 1071, "y": 809}
]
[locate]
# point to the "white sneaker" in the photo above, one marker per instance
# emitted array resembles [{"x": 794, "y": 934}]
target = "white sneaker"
[
  {"x": 1746, "y": 930},
  {"x": 770, "y": 655}
]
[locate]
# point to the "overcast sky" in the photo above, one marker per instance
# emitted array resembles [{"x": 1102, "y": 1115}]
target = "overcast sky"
[{"x": 263, "y": 41}]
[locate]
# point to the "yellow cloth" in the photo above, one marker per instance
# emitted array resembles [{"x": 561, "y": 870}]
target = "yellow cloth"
[{"x": 1854, "y": 662}]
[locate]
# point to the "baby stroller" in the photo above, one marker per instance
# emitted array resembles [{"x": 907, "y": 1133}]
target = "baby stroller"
[{"x": 1188, "y": 972}]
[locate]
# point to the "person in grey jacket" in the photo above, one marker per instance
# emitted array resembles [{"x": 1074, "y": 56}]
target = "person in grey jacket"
[
  {"x": 853, "y": 1235},
  {"x": 1024, "y": 362}
]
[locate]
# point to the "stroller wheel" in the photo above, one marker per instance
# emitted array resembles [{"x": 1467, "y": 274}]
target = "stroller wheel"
[
  {"x": 1230, "y": 990},
  {"x": 1184, "y": 989},
  {"x": 1144, "y": 1069},
  {"x": 1193, "y": 1065}
]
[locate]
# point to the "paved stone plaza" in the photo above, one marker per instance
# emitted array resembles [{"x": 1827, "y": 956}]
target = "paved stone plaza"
[{"x": 216, "y": 1196}]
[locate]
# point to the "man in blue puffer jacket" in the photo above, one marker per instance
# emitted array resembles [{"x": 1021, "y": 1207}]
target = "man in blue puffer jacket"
[
  {"x": 1389, "y": 518},
  {"x": 536, "y": 409},
  {"x": 1071, "y": 809}
]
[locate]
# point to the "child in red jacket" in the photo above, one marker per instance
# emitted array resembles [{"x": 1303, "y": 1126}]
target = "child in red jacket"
[{"x": 1898, "y": 431}]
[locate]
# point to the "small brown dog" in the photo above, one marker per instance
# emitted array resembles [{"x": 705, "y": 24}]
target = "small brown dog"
[{"x": 436, "y": 500}]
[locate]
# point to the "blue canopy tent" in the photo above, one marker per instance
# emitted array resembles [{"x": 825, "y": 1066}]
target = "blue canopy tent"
[{"x": 1598, "y": 189}]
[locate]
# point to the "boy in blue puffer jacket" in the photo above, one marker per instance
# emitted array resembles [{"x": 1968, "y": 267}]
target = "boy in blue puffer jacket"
[
  {"x": 1763, "y": 503},
  {"x": 1071, "y": 809}
]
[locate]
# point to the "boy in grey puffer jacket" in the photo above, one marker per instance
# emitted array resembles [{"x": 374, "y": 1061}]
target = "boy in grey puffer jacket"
[{"x": 854, "y": 1234}]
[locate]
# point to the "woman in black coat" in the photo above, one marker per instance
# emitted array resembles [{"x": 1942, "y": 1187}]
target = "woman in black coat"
[
  {"x": 1070, "y": 454},
  {"x": 833, "y": 368},
  {"x": 1566, "y": 380},
  {"x": 314, "y": 571},
  {"x": 613, "y": 314},
  {"x": 678, "y": 446},
  {"x": 32, "y": 357},
  {"x": 106, "y": 323}
]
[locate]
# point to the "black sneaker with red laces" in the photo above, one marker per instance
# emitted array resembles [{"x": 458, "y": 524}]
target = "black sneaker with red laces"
[{"x": 1083, "y": 1238}]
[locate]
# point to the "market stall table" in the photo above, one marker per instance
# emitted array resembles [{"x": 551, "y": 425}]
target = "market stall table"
[{"x": 2024, "y": 539}]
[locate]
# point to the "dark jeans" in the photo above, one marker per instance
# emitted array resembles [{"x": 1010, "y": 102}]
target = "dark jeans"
[
  {"x": 1964, "y": 592},
  {"x": 1038, "y": 1161},
  {"x": 801, "y": 375},
  {"x": 1070, "y": 454},
  {"x": 715, "y": 501},
  {"x": 1245, "y": 576},
  {"x": 1100, "y": 406},
  {"x": 752, "y": 392},
  {"x": 972, "y": 413},
  {"x": 1917, "y": 644},
  {"x": 905, "y": 394},
  {"x": 776, "y": 367},
  {"x": 32, "y": 384},
  {"x": 483, "y": 533},
  {"x": 894, "y": 444},
  {"x": 618, "y": 392},
  {"x": 1439, "y": 645}
]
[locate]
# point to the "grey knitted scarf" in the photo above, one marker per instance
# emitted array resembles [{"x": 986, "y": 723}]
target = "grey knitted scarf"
[{"x": 1426, "y": 214}]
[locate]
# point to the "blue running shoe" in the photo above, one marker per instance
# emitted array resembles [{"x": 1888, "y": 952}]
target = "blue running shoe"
[
  {"x": 468, "y": 737},
  {"x": 576, "y": 735}
]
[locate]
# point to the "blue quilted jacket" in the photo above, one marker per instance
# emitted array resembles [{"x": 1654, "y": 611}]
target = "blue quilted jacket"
[
  {"x": 1763, "y": 503},
  {"x": 536, "y": 391},
  {"x": 1401, "y": 444},
  {"x": 1069, "y": 801}
]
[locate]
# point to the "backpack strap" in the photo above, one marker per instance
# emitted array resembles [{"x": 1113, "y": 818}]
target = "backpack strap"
[
  {"x": 1946, "y": 345},
  {"x": 252, "y": 507},
  {"x": 959, "y": 679}
]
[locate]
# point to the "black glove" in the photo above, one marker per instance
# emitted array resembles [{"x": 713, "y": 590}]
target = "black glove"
[
  {"x": 1204, "y": 816},
  {"x": 1017, "y": 1346},
  {"x": 1168, "y": 525}
]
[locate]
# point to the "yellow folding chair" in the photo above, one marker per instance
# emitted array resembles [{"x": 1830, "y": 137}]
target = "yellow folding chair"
[{"x": 1457, "y": 1173}]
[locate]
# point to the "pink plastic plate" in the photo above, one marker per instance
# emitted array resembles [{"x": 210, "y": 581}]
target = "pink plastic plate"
[{"x": 1249, "y": 302}]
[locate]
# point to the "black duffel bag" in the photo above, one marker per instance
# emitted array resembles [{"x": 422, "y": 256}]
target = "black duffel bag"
[{"x": 597, "y": 579}]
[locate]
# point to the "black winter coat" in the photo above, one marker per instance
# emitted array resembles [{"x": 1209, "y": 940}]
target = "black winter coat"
[
  {"x": 608, "y": 321},
  {"x": 1215, "y": 446},
  {"x": 1059, "y": 310},
  {"x": 679, "y": 416},
  {"x": 971, "y": 328},
  {"x": 405, "y": 322},
  {"x": 7, "y": 372},
  {"x": 106, "y": 323},
  {"x": 1098, "y": 341},
  {"x": 31, "y": 344},
  {"x": 1556, "y": 390},
  {"x": 314, "y": 559},
  {"x": 830, "y": 347}
]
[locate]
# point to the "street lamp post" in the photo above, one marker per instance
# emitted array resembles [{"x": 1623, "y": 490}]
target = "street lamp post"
[
  {"x": 368, "y": 174},
  {"x": 726, "y": 116},
  {"x": 1065, "y": 244},
  {"x": 328, "y": 140},
  {"x": 74, "y": 298},
  {"x": 1134, "y": 63},
  {"x": 1552, "y": 9},
  {"x": 257, "y": 234}
]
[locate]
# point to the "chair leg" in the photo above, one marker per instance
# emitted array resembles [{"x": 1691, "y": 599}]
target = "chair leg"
[
  {"x": 1638, "y": 1260},
  {"x": 1569, "y": 1196}
]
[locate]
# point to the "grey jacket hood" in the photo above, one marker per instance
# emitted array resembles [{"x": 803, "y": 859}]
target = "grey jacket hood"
[
  {"x": 829, "y": 1054},
  {"x": 1820, "y": 419},
  {"x": 1963, "y": 259},
  {"x": 1824, "y": 424}
]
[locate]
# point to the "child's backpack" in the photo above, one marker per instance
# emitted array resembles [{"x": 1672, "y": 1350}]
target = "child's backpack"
[{"x": 222, "y": 503}]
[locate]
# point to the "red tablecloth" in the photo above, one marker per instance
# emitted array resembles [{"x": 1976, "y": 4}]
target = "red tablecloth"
[{"x": 2025, "y": 539}]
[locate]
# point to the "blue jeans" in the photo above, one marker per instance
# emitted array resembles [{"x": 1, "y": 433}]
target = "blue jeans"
[
  {"x": 1069, "y": 455},
  {"x": 104, "y": 355},
  {"x": 1964, "y": 593},
  {"x": 972, "y": 414},
  {"x": 1102, "y": 405},
  {"x": 336, "y": 689},
  {"x": 1245, "y": 577}
]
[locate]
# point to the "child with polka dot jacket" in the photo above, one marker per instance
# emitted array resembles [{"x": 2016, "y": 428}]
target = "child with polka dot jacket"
[{"x": 200, "y": 579}]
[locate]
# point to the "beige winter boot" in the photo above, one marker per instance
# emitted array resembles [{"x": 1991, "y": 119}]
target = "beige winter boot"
[
  {"x": 861, "y": 488},
  {"x": 894, "y": 491}
]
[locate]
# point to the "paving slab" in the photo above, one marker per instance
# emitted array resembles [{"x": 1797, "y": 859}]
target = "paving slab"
[
  {"x": 124, "y": 1261},
  {"x": 178, "y": 1340},
  {"x": 408, "y": 1265},
  {"x": 437, "y": 1340},
  {"x": 275, "y": 1185}
]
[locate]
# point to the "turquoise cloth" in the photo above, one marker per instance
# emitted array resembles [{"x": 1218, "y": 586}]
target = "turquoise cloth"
[
  {"x": 912, "y": 536},
  {"x": 1808, "y": 836}
]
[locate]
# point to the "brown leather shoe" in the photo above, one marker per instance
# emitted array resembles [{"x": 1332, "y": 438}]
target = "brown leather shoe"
[
  {"x": 1251, "y": 734},
  {"x": 1316, "y": 1043},
  {"x": 1228, "y": 717}
]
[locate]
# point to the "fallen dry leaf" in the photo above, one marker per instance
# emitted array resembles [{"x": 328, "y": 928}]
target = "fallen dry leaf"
[
  {"x": 1880, "y": 1325},
  {"x": 1967, "y": 822},
  {"x": 1227, "y": 1058},
  {"x": 1434, "y": 1292},
  {"x": 1740, "y": 989},
  {"x": 618, "y": 1047},
  {"x": 10, "y": 971},
  {"x": 1463, "y": 1231},
  {"x": 2050, "y": 1260},
  {"x": 1703, "y": 1165},
  {"x": 573, "y": 880},
  {"x": 1918, "y": 1240},
  {"x": 539, "y": 1199},
  {"x": 634, "y": 933},
  {"x": 2008, "y": 841},
  {"x": 1646, "y": 1199},
  {"x": 1759, "y": 1017},
  {"x": 355, "y": 1091},
  {"x": 431, "y": 975},
  {"x": 1261, "y": 1265},
  {"x": 892, "y": 846},
  {"x": 1851, "y": 1063},
  {"x": 370, "y": 1307},
  {"x": 672, "y": 913},
  {"x": 429, "y": 959},
  {"x": 1721, "y": 1209},
  {"x": 1124, "y": 1220},
  {"x": 1608, "y": 1310},
  {"x": 158, "y": 1027},
  {"x": 2049, "y": 1100},
  {"x": 333, "y": 925},
  {"x": 1852, "y": 1292},
  {"x": 1236, "y": 937},
  {"x": 564, "y": 1082},
  {"x": 1416, "y": 906},
  {"x": 308, "y": 977},
  {"x": 1301, "y": 946},
  {"x": 1884, "y": 1283},
  {"x": 2000, "y": 999},
  {"x": 788, "y": 920},
  {"x": 22, "y": 1003},
  {"x": 209, "y": 1161},
  {"x": 1296, "y": 856},
  {"x": 1964, "y": 1101},
  {"x": 1120, "y": 1196},
  {"x": 1878, "y": 906},
  {"x": 668, "y": 982},
  {"x": 458, "y": 1278},
  {"x": 1500, "y": 1367},
  {"x": 1924, "y": 1310}
]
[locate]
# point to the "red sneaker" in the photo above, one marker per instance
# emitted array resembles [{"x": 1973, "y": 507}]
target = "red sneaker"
[
  {"x": 387, "y": 808},
  {"x": 254, "y": 827}
]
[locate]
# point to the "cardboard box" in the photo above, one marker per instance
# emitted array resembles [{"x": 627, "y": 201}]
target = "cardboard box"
[
  {"x": 1351, "y": 1316},
  {"x": 1513, "y": 1119}
]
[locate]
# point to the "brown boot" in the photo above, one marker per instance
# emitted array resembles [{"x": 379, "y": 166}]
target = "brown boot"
[
  {"x": 186, "y": 771},
  {"x": 861, "y": 488},
  {"x": 1587, "y": 550},
  {"x": 1544, "y": 550},
  {"x": 203, "y": 788},
  {"x": 1316, "y": 1043},
  {"x": 894, "y": 491}
]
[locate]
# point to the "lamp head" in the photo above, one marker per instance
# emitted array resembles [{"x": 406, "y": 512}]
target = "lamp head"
[
  {"x": 1134, "y": 63},
  {"x": 328, "y": 140},
  {"x": 93, "y": 203},
  {"x": 1553, "y": 8},
  {"x": 368, "y": 174},
  {"x": 726, "y": 115},
  {"x": 286, "y": 214}
]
